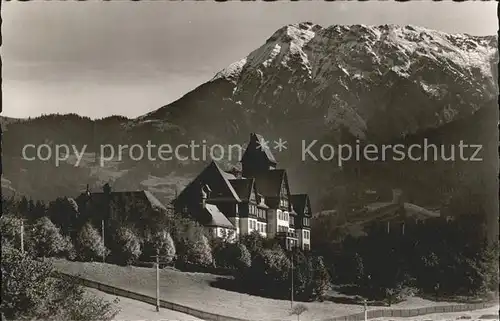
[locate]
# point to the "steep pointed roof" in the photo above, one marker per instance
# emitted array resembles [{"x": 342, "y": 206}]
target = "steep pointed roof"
[
  {"x": 227, "y": 176},
  {"x": 299, "y": 202},
  {"x": 256, "y": 146},
  {"x": 224, "y": 178},
  {"x": 269, "y": 182},
  {"x": 243, "y": 187}
]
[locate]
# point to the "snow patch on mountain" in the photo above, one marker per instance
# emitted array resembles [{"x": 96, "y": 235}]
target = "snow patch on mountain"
[{"x": 232, "y": 72}]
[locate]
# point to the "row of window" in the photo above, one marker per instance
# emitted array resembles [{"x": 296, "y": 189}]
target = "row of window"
[
  {"x": 261, "y": 227},
  {"x": 282, "y": 228},
  {"x": 283, "y": 216},
  {"x": 259, "y": 212},
  {"x": 307, "y": 235},
  {"x": 306, "y": 221},
  {"x": 284, "y": 203}
]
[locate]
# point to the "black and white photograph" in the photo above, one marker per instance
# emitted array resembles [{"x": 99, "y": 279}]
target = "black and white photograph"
[{"x": 250, "y": 160}]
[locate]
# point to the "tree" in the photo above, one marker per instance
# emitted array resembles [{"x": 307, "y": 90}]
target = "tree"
[
  {"x": 200, "y": 253},
  {"x": 47, "y": 239},
  {"x": 30, "y": 292},
  {"x": 269, "y": 274},
  {"x": 165, "y": 245},
  {"x": 161, "y": 241},
  {"x": 193, "y": 248},
  {"x": 298, "y": 310},
  {"x": 254, "y": 242},
  {"x": 10, "y": 228},
  {"x": 89, "y": 244},
  {"x": 321, "y": 279},
  {"x": 63, "y": 212},
  {"x": 127, "y": 248},
  {"x": 233, "y": 256}
]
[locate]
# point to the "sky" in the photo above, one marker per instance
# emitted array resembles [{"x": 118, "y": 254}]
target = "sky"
[{"x": 99, "y": 58}]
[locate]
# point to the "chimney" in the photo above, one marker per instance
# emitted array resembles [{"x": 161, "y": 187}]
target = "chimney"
[
  {"x": 205, "y": 193},
  {"x": 236, "y": 171}
]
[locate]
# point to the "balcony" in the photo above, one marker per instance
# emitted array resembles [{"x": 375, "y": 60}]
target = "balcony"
[{"x": 289, "y": 235}]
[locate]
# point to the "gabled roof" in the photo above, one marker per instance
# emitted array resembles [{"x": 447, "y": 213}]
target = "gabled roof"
[
  {"x": 224, "y": 176},
  {"x": 218, "y": 219},
  {"x": 299, "y": 202},
  {"x": 269, "y": 182},
  {"x": 227, "y": 176},
  {"x": 264, "y": 147},
  {"x": 256, "y": 147},
  {"x": 243, "y": 187},
  {"x": 144, "y": 196}
]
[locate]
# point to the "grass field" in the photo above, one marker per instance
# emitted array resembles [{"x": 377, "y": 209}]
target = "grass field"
[{"x": 195, "y": 290}]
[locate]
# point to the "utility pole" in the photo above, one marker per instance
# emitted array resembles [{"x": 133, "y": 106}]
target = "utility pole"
[
  {"x": 291, "y": 293},
  {"x": 366, "y": 310},
  {"x": 22, "y": 236},
  {"x": 157, "y": 266},
  {"x": 102, "y": 231}
]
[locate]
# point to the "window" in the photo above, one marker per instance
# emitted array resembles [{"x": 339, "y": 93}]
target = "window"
[
  {"x": 306, "y": 221},
  {"x": 292, "y": 220},
  {"x": 286, "y": 216},
  {"x": 284, "y": 203}
]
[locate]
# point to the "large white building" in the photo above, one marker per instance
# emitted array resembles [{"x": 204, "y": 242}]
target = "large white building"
[{"x": 255, "y": 198}]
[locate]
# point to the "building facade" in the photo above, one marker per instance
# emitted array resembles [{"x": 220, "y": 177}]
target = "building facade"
[{"x": 254, "y": 198}]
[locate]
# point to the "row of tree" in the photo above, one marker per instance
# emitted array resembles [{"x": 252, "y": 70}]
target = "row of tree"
[
  {"x": 30, "y": 291},
  {"x": 178, "y": 240},
  {"x": 436, "y": 258}
]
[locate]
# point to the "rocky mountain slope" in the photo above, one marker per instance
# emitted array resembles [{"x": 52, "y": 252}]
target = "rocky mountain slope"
[{"x": 382, "y": 84}]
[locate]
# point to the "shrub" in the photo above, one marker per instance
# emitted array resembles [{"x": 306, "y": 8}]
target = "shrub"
[
  {"x": 127, "y": 248},
  {"x": 233, "y": 256},
  {"x": 89, "y": 244},
  {"x": 30, "y": 292},
  {"x": 243, "y": 257},
  {"x": 161, "y": 241},
  {"x": 254, "y": 242},
  {"x": 193, "y": 248},
  {"x": 47, "y": 239},
  {"x": 269, "y": 273},
  {"x": 200, "y": 253}
]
